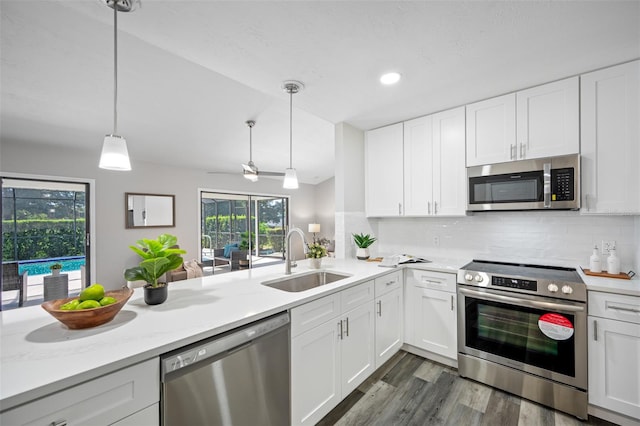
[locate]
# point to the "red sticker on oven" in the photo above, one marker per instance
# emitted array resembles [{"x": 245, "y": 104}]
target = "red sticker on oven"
[{"x": 555, "y": 326}]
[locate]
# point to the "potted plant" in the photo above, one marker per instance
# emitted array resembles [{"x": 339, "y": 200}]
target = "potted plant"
[
  {"x": 363, "y": 241},
  {"x": 316, "y": 252},
  {"x": 159, "y": 256},
  {"x": 55, "y": 269}
]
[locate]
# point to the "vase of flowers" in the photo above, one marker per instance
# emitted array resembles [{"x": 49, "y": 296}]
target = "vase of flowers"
[{"x": 316, "y": 252}]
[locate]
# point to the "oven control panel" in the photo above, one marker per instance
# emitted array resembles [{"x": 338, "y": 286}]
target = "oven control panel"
[{"x": 517, "y": 283}]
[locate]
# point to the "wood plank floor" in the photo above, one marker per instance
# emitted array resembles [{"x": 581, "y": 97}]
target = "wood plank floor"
[{"x": 409, "y": 390}]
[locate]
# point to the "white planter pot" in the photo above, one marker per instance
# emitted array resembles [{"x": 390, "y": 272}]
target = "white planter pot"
[
  {"x": 362, "y": 253},
  {"x": 316, "y": 263}
]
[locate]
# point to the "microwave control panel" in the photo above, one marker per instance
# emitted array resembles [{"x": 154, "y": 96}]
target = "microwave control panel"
[{"x": 562, "y": 184}]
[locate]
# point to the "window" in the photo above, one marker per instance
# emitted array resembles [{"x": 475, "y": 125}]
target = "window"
[{"x": 253, "y": 224}]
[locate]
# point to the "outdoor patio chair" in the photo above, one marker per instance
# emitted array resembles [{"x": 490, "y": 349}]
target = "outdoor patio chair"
[{"x": 12, "y": 280}]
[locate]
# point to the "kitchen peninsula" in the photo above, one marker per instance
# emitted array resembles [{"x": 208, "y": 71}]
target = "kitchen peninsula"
[{"x": 42, "y": 358}]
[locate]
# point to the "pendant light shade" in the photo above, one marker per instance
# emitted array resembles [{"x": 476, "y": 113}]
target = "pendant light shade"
[
  {"x": 290, "y": 179},
  {"x": 115, "y": 155},
  {"x": 290, "y": 176}
]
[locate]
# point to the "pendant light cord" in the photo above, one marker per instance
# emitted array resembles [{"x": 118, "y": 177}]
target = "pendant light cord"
[
  {"x": 291, "y": 127},
  {"x": 115, "y": 67}
]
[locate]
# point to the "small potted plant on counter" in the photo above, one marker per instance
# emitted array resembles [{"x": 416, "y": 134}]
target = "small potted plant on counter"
[
  {"x": 159, "y": 256},
  {"x": 55, "y": 269},
  {"x": 363, "y": 241},
  {"x": 316, "y": 253}
]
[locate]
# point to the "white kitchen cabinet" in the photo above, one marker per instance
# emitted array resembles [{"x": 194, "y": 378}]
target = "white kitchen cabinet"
[
  {"x": 430, "y": 304},
  {"x": 449, "y": 172},
  {"x": 331, "y": 359},
  {"x": 389, "y": 314},
  {"x": 384, "y": 171},
  {"x": 614, "y": 351},
  {"x": 548, "y": 120},
  {"x": 104, "y": 400},
  {"x": 610, "y": 131},
  {"x": 539, "y": 122},
  {"x": 149, "y": 416},
  {"x": 418, "y": 172},
  {"x": 434, "y": 166},
  {"x": 491, "y": 130}
]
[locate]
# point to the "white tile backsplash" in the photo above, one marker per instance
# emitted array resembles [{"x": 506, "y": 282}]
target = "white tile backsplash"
[{"x": 561, "y": 237}]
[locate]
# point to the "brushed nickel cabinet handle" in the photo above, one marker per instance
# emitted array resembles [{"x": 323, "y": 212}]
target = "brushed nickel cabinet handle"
[
  {"x": 428, "y": 207},
  {"x": 435, "y": 207},
  {"x": 58, "y": 423},
  {"x": 340, "y": 328},
  {"x": 346, "y": 331},
  {"x": 595, "y": 330},
  {"x": 379, "y": 308},
  {"x": 512, "y": 148},
  {"x": 452, "y": 302}
]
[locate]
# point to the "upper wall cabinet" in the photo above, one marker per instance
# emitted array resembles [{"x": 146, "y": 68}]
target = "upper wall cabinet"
[
  {"x": 384, "y": 171},
  {"x": 535, "y": 123},
  {"x": 610, "y": 146},
  {"x": 432, "y": 174},
  {"x": 491, "y": 130}
]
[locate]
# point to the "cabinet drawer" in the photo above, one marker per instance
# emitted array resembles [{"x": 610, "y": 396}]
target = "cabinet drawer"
[
  {"x": 100, "y": 401},
  {"x": 614, "y": 306},
  {"x": 357, "y": 295},
  {"x": 387, "y": 283},
  {"x": 314, "y": 313},
  {"x": 432, "y": 280}
]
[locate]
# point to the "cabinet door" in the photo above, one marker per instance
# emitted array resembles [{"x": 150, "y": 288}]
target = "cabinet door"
[
  {"x": 388, "y": 325},
  {"x": 449, "y": 171},
  {"x": 610, "y": 107},
  {"x": 436, "y": 324},
  {"x": 384, "y": 171},
  {"x": 315, "y": 373},
  {"x": 491, "y": 130},
  {"x": 614, "y": 371},
  {"x": 150, "y": 416},
  {"x": 547, "y": 120},
  {"x": 357, "y": 347},
  {"x": 104, "y": 400},
  {"x": 418, "y": 156}
]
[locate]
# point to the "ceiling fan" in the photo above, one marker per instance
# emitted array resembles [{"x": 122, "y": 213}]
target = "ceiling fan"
[{"x": 250, "y": 170}]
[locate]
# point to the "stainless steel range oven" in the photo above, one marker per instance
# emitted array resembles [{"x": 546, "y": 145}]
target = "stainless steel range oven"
[{"x": 523, "y": 329}]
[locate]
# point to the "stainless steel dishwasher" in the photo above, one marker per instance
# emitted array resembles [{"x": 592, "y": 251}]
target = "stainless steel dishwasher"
[{"x": 237, "y": 378}]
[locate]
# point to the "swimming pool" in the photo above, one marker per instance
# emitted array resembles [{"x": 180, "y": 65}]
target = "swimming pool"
[{"x": 42, "y": 267}]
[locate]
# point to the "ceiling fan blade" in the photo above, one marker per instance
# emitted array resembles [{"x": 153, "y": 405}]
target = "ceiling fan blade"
[{"x": 270, "y": 173}]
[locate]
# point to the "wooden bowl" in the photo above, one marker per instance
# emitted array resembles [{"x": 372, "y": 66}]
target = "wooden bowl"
[{"x": 87, "y": 318}]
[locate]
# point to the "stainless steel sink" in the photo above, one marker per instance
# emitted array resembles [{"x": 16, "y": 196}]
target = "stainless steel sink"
[{"x": 306, "y": 281}]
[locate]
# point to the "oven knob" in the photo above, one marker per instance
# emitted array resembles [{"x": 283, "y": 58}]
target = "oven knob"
[
  {"x": 479, "y": 278},
  {"x": 567, "y": 289},
  {"x": 468, "y": 277},
  {"x": 552, "y": 288}
]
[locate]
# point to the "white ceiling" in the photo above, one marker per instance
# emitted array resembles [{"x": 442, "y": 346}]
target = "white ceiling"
[{"x": 192, "y": 72}]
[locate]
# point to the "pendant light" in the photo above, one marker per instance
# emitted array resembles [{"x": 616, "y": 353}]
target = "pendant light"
[
  {"x": 114, "y": 154},
  {"x": 290, "y": 177}
]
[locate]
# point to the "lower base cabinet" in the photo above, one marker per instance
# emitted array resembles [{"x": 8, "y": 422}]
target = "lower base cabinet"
[
  {"x": 431, "y": 315},
  {"x": 129, "y": 395},
  {"x": 614, "y": 353},
  {"x": 389, "y": 323},
  {"x": 329, "y": 360}
]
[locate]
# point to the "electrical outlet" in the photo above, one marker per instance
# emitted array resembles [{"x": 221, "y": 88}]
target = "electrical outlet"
[
  {"x": 436, "y": 241},
  {"x": 607, "y": 245}
]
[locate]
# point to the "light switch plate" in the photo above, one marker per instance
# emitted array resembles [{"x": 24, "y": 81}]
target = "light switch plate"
[{"x": 606, "y": 246}]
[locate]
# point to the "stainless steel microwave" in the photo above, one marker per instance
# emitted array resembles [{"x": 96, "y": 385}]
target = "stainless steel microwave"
[{"x": 539, "y": 184}]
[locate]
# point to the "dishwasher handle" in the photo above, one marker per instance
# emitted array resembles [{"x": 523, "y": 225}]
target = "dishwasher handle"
[{"x": 217, "y": 345}]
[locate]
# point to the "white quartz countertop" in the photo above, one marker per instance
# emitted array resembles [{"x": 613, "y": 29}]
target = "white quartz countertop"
[{"x": 39, "y": 355}]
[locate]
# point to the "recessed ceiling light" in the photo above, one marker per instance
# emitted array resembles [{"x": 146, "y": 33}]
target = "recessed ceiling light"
[{"x": 390, "y": 78}]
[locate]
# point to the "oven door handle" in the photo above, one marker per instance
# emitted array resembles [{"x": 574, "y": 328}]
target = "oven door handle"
[{"x": 522, "y": 302}]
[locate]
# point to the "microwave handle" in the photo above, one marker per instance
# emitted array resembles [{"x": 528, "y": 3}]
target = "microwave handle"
[{"x": 546, "y": 175}]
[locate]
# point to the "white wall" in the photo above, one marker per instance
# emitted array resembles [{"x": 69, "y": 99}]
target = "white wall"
[
  {"x": 325, "y": 207},
  {"x": 539, "y": 237},
  {"x": 112, "y": 239},
  {"x": 637, "y": 237}
]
